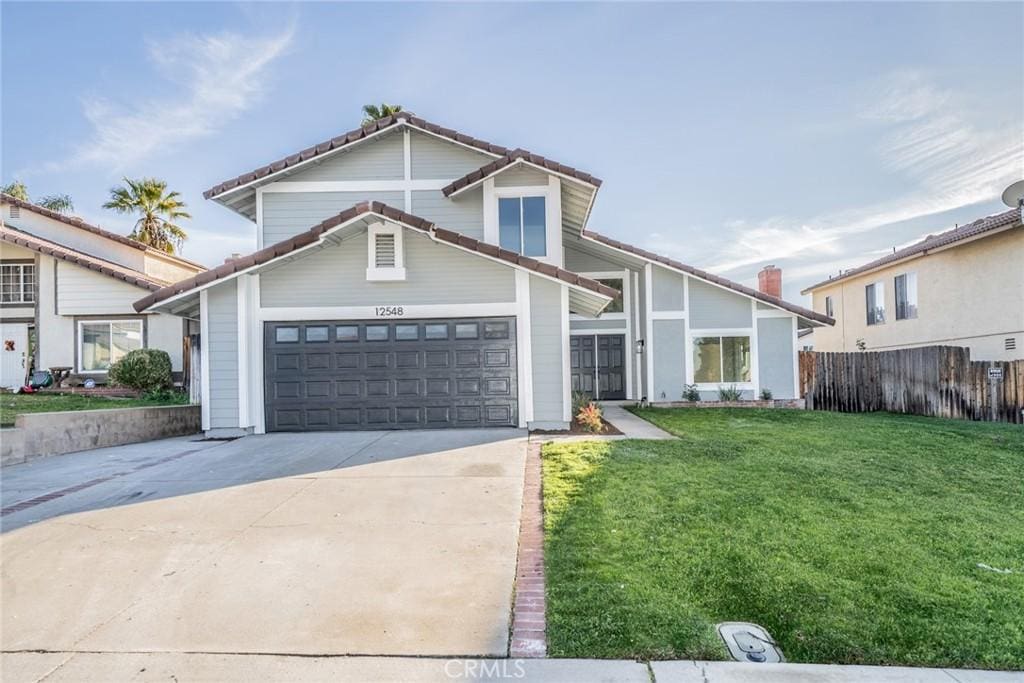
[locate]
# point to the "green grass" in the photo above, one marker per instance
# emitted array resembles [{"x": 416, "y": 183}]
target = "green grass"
[
  {"x": 853, "y": 539},
  {"x": 16, "y": 404}
]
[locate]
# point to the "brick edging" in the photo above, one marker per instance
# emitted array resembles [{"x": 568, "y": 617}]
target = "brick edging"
[{"x": 529, "y": 625}]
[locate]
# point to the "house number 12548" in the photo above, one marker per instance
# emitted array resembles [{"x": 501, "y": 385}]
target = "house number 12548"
[{"x": 388, "y": 311}]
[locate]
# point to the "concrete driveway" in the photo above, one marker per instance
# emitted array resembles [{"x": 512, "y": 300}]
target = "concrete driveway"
[{"x": 400, "y": 543}]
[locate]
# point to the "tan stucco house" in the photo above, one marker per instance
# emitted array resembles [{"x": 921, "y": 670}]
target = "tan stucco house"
[{"x": 962, "y": 287}]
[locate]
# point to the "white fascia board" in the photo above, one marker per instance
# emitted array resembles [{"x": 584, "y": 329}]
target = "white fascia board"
[
  {"x": 284, "y": 186},
  {"x": 369, "y": 215},
  {"x": 697, "y": 277},
  {"x": 524, "y": 162}
]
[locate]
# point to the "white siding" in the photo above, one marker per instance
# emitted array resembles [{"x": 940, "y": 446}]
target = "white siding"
[
  {"x": 464, "y": 214},
  {"x": 435, "y": 274},
  {"x": 434, "y": 159},
  {"x": 223, "y": 356},
  {"x": 546, "y": 345},
  {"x": 165, "y": 332},
  {"x": 521, "y": 175},
  {"x": 81, "y": 291},
  {"x": 380, "y": 158},
  {"x": 286, "y": 214}
]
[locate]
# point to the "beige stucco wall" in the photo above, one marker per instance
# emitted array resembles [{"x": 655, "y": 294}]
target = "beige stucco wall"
[{"x": 971, "y": 295}]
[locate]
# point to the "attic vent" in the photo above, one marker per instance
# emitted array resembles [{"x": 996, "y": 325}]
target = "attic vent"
[
  {"x": 384, "y": 254},
  {"x": 1010, "y": 343},
  {"x": 15, "y": 211}
]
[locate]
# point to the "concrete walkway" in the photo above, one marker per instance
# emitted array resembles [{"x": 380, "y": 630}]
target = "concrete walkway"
[
  {"x": 631, "y": 426},
  {"x": 160, "y": 666}
]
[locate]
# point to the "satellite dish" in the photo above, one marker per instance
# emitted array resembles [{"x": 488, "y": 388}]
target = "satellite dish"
[{"x": 1013, "y": 196}]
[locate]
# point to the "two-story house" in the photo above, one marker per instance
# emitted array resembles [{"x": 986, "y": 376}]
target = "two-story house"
[
  {"x": 66, "y": 295},
  {"x": 961, "y": 287},
  {"x": 411, "y": 276}
]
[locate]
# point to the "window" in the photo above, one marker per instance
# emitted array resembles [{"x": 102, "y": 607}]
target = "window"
[
  {"x": 466, "y": 331},
  {"x": 286, "y": 335},
  {"x": 17, "y": 283},
  {"x": 829, "y": 310},
  {"x": 615, "y": 283},
  {"x": 496, "y": 330},
  {"x": 318, "y": 333},
  {"x": 346, "y": 333},
  {"x": 874, "y": 296},
  {"x": 104, "y": 342},
  {"x": 721, "y": 359},
  {"x": 407, "y": 332},
  {"x": 385, "y": 258},
  {"x": 521, "y": 225},
  {"x": 376, "y": 333},
  {"x": 906, "y": 296},
  {"x": 436, "y": 331}
]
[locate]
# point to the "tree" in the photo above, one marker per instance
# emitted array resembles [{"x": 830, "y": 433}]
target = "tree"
[
  {"x": 371, "y": 112},
  {"x": 61, "y": 203},
  {"x": 157, "y": 208}
]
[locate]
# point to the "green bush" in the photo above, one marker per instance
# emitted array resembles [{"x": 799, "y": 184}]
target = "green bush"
[
  {"x": 766, "y": 394},
  {"x": 691, "y": 392},
  {"x": 729, "y": 393},
  {"x": 142, "y": 369}
]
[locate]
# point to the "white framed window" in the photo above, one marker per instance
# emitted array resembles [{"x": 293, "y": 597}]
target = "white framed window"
[
  {"x": 724, "y": 359},
  {"x": 619, "y": 308},
  {"x": 385, "y": 253},
  {"x": 17, "y": 283},
  {"x": 104, "y": 342},
  {"x": 829, "y": 307},
  {"x": 905, "y": 286},
  {"x": 874, "y": 299},
  {"x": 522, "y": 225}
]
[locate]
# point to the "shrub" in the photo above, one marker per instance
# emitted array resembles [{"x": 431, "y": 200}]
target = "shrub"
[
  {"x": 589, "y": 418},
  {"x": 691, "y": 393},
  {"x": 766, "y": 394},
  {"x": 729, "y": 393},
  {"x": 166, "y": 395},
  {"x": 580, "y": 399},
  {"x": 142, "y": 369}
]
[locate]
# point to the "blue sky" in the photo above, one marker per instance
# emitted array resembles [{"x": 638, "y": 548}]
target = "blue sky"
[{"x": 814, "y": 137}]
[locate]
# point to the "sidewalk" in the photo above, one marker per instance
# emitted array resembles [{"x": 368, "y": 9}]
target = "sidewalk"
[
  {"x": 184, "y": 667},
  {"x": 630, "y": 425}
]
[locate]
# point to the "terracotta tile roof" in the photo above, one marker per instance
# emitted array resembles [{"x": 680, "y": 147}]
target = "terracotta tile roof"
[
  {"x": 69, "y": 220},
  {"x": 313, "y": 235},
  {"x": 510, "y": 158},
  {"x": 352, "y": 136},
  {"x": 711, "y": 277},
  {"x": 114, "y": 270},
  {"x": 973, "y": 229}
]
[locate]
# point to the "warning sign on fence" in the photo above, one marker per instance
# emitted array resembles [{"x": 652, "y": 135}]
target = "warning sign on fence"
[{"x": 995, "y": 374}]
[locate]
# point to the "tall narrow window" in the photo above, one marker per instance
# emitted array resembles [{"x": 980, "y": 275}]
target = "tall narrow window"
[
  {"x": 874, "y": 297},
  {"x": 906, "y": 296},
  {"x": 829, "y": 310},
  {"x": 17, "y": 283},
  {"x": 522, "y": 225}
]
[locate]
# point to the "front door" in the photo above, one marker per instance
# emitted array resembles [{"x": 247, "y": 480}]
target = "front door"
[
  {"x": 13, "y": 355},
  {"x": 597, "y": 365}
]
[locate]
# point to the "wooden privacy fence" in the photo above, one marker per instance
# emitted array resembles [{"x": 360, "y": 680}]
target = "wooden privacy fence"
[{"x": 940, "y": 381}]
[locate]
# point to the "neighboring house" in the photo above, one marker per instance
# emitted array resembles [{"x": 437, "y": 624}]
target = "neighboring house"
[
  {"x": 66, "y": 293},
  {"x": 962, "y": 287},
  {"x": 412, "y": 276}
]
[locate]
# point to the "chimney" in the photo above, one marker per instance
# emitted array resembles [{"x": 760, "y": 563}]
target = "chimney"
[
  {"x": 234, "y": 257},
  {"x": 769, "y": 281}
]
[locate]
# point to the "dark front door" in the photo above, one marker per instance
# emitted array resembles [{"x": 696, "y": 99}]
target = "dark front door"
[
  {"x": 390, "y": 374},
  {"x": 598, "y": 361}
]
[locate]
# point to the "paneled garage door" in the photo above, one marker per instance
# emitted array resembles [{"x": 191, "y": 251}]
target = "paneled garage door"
[{"x": 390, "y": 374}]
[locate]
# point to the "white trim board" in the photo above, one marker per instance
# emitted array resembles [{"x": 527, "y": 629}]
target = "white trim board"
[
  {"x": 284, "y": 186},
  {"x": 409, "y": 312},
  {"x": 524, "y": 348},
  {"x": 204, "y": 357},
  {"x": 523, "y": 162}
]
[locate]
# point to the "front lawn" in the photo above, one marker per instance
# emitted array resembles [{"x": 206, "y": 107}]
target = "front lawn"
[
  {"x": 16, "y": 404},
  {"x": 853, "y": 539}
]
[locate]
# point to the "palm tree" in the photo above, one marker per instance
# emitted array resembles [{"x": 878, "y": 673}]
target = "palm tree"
[
  {"x": 61, "y": 203},
  {"x": 157, "y": 208},
  {"x": 371, "y": 112}
]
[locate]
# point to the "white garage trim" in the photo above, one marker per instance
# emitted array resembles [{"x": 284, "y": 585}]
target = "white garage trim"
[
  {"x": 387, "y": 311},
  {"x": 204, "y": 357},
  {"x": 524, "y": 349}
]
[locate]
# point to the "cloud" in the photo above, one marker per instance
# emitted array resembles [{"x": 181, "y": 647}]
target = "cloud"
[
  {"x": 218, "y": 77},
  {"x": 949, "y": 161}
]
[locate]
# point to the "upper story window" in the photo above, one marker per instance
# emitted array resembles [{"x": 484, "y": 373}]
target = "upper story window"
[
  {"x": 874, "y": 296},
  {"x": 829, "y": 309},
  {"x": 522, "y": 225},
  {"x": 386, "y": 258},
  {"x": 906, "y": 296},
  {"x": 17, "y": 283}
]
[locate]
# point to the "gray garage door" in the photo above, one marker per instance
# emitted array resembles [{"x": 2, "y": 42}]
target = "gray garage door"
[{"x": 395, "y": 374}]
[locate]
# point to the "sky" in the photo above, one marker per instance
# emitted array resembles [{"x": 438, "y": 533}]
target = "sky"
[{"x": 814, "y": 137}]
